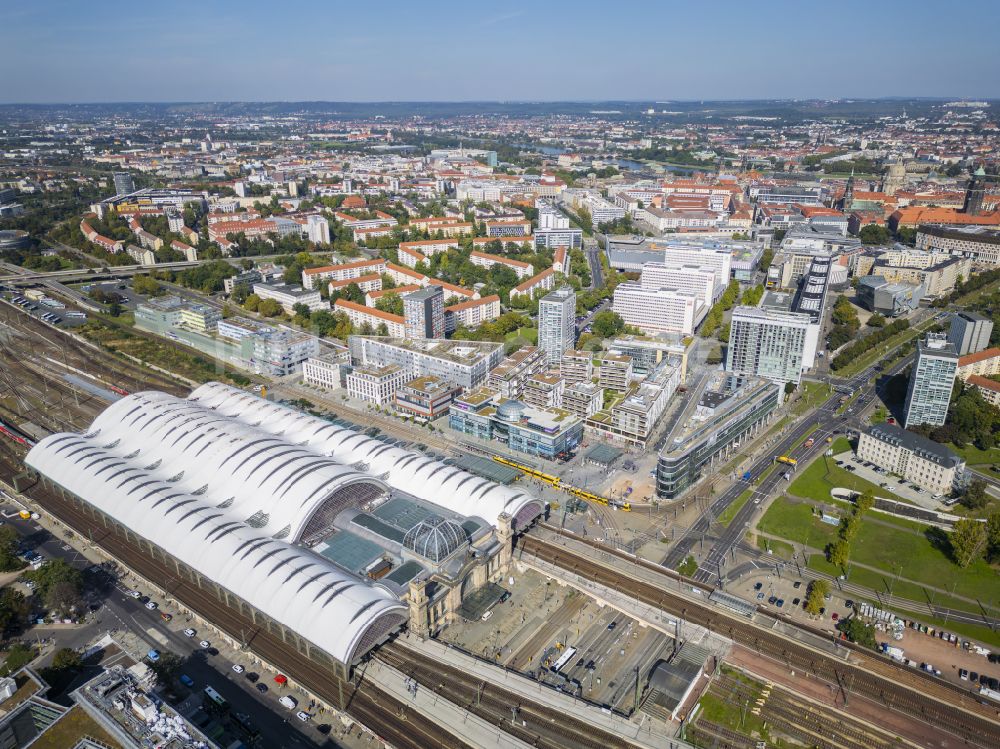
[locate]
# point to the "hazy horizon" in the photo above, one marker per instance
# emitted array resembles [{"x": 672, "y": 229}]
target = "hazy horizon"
[{"x": 63, "y": 52}]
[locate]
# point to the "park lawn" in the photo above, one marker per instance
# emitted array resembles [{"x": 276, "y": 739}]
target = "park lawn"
[
  {"x": 529, "y": 334},
  {"x": 777, "y": 548},
  {"x": 923, "y": 561},
  {"x": 976, "y": 457},
  {"x": 814, "y": 393},
  {"x": 796, "y": 522},
  {"x": 816, "y": 481},
  {"x": 727, "y": 515},
  {"x": 884, "y": 582}
]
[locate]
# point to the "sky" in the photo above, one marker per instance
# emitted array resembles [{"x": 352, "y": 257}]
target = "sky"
[{"x": 60, "y": 51}]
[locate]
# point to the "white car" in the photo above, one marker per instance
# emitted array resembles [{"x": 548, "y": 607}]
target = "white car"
[
  {"x": 303, "y": 715},
  {"x": 189, "y": 632},
  {"x": 134, "y": 594},
  {"x": 151, "y": 605},
  {"x": 238, "y": 668},
  {"x": 205, "y": 644}
]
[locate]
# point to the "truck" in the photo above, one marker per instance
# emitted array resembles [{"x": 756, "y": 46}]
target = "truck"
[{"x": 289, "y": 702}]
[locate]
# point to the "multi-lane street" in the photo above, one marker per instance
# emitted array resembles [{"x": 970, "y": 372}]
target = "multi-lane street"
[{"x": 821, "y": 423}]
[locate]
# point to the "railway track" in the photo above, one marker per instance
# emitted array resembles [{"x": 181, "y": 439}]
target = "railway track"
[
  {"x": 797, "y": 718},
  {"x": 365, "y": 702},
  {"x": 534, "y": 724},
  {"x": 906, "y": 692}
]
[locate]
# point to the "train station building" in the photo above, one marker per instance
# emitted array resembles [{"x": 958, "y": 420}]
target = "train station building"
[{"x": 327, "y": 537}]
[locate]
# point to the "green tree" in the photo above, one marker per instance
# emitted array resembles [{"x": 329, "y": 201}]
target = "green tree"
[
  {"x": 14, "y": 609},
  {"x": 115, "y": 308},
  {"x": 301, "y": 310},
  {"x": 391, "y": 303},
  {"x": 251, "y": 303},
  {"x": 9, "y": 542},
  {"x": 818, "y": 589},
  {"x": 993, "y": 534},
  {"x": 167, "y": 668},
  {"x": 874, "y": 234},
  {"x": 586, "y": 220},
  {"x": 53, "y": 572},
  {"x": 859, "y": 632},
  {"x": 146, "y": 286},
  {"x": 968, "y": 540},
  {"x": 607, "y": 324},
  {"x": 63, "y": 597},
  {"x": 269, "y": 308},
  {"x": 876, "y": 321},
  {"x": 839, "y": 552},
  {"x": 865, "y": 501},
  {"x": 66, "y": 659},
  {"x": 975, "y": 496}
]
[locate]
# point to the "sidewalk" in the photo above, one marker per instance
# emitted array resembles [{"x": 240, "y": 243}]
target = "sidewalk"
[{"x": 643, "y": 734}]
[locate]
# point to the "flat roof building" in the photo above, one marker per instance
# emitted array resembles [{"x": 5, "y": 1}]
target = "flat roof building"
[
  {"x": 463, "y": 363},
  {"x": 730, "y": 407},
  {"x": 929, "y": 391}
]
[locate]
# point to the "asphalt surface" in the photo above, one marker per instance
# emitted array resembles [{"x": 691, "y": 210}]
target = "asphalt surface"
[
  {"x": 821, "y": 423},
  {"x": 593, "y": 253},
  {"x": 278, "y": 727}
]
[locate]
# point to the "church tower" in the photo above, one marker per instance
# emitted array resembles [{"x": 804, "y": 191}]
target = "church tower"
[
  {"x": 975, "y": 193},
  {"x": 845, "y": 205},
  {"x": 895, "y": 177}
]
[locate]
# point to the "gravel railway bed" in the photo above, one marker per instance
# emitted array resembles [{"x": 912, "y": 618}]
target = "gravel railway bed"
[
  {"x": 493, "y": 703},
  {"x": 937, "y": 703}
]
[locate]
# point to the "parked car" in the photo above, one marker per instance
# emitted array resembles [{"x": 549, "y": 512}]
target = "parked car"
[
  {"x": 205, "y": 644},
  {"x": 151, "y": 605},
  {"x": 189, "y": 632},
  {"x": 303, "y": 715},
  {"x": 186, "y": 680},
  {"x": 262, "y": 688},
  {"x": 238, "y": 668}
]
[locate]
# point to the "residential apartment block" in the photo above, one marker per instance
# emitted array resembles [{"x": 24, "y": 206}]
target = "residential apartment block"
[
  {"x": 929, "y": 391},
  {"x": 917, "y": 459}
]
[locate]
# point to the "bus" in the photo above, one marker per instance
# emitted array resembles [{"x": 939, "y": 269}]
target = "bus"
[
  {"x": 787, "y": 460},
  {"x": 562, "y": 660},
  {"x": 215, "y": 696}
]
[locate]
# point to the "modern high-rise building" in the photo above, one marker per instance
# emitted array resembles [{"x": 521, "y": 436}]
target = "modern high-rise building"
[
  {"x": 124, "y": 184},
  {"x": 423, "y": 312},
  {"x": 767, "y": 343},
  {"x": 970, "y": 333},
  {"x": 931, "y": 381},
  {"x": 557, "y": 323}
]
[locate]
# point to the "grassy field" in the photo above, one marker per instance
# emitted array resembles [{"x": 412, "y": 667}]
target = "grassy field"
[
  {"x": 529, "y": 334},
  {"x": 816, "y": 481},
  {"x": 976, "y": 457},
  {"x": 812, "y": 394},
  {"x": 918, "y": 553},
  {"x": 796, "y": 522},
  {"x": 727, "y": 515},
  {"x": 777, "y": 548},
  {"x": 688, "y": 567}
]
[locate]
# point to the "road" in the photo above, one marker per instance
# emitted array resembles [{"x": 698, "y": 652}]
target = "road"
[
  {"x": 593, "y": 253},
  {"x": 825, "y": 422},
  {"x": 120, "y": 611}
]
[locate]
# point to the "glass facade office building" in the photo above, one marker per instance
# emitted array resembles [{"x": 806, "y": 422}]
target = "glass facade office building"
[{"x": 732, "y": 408}]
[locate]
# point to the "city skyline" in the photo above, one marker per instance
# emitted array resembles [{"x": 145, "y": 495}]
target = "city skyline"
[{"x": 250, "y": 52}]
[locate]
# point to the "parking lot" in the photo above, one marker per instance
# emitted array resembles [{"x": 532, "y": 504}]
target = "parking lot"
[{"x": 894, "y": 486}]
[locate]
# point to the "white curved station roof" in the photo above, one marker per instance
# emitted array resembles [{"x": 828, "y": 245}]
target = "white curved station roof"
[
  {"x": 409, "y": 471},
  {"x": 186, "y": 479}
]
